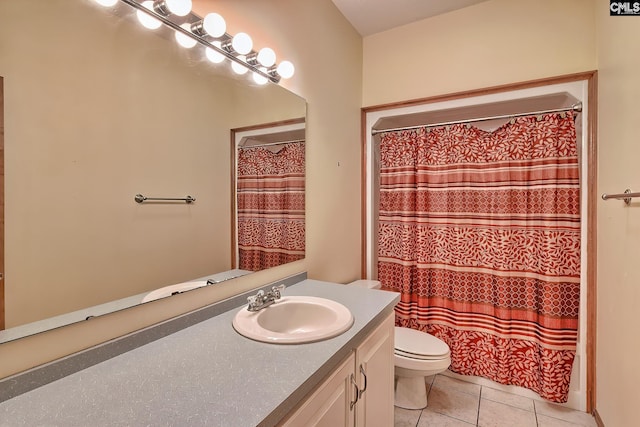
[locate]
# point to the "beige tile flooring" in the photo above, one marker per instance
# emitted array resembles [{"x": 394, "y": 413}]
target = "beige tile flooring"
[{"x": 455, "y": 403}]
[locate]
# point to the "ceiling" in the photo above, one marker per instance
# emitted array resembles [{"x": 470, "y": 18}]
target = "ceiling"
[{"x": 374, "y": 16}]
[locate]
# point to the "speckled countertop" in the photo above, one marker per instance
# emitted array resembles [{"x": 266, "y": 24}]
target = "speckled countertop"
[{"x": 204, "y": 375}]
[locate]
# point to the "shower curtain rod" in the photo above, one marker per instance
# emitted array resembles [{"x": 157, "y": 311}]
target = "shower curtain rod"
[
  {"x": 575, "y": 107},
  {"x": 293, "y": 141}
]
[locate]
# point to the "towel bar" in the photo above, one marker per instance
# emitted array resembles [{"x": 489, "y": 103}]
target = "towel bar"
[
  {"x": 140, "y": 198},
  {"x": 626, "y": 196}
]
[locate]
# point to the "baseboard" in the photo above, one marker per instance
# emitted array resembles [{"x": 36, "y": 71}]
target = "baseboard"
[{"x": 599, "y": 421}]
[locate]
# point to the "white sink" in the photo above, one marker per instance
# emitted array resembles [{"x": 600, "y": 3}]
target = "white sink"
[
  {"x": 173, "y": 289},
  {"x": 294, "y": 320}
]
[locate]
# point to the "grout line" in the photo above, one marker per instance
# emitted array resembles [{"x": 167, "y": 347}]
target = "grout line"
[
  {"x": 450, "y": 416},
  {"x": 454, "y": 418},
  {"x": 460, "y": 381},
  {"x": 535, "y": 412},
  {"x": 479, "y": 403},
  {"x": 420, "y": 416},
  {"x": 512, "y": 406},
  {"x": 564, "y": 420}
]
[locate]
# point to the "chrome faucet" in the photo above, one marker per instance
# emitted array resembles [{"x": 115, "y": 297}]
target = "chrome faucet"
[{"x": 262, "y": 300}]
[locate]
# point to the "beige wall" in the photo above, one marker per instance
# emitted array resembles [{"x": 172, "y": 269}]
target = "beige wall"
[
  {"x": 492, "y": 43},
  {"x": 327, "y": 54},
  {"x": 618, "y": 372}
]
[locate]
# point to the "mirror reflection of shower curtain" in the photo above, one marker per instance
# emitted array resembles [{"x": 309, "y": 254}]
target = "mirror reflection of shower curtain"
[{"x": 271, "y": 200}]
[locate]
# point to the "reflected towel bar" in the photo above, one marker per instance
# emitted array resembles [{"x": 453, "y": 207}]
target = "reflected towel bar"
[
  {"x": 626, "y": 196},
  {"x": 140, "y": 198}
]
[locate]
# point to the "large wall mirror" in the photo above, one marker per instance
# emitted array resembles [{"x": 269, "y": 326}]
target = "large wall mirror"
[{"x": 98, "y": 109}]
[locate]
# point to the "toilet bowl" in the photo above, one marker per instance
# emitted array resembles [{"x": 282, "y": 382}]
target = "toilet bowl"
[{"x": 417, "y": 355}]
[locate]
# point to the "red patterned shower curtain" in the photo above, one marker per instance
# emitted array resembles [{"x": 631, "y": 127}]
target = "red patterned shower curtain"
[
  {"x": 480, "y": 232},
  {"x": 270, "y": 188}
]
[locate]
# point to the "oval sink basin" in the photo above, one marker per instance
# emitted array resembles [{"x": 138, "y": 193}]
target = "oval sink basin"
[
  {"x": 167, "y": 291},
  {"x": 294, "y": 320}
]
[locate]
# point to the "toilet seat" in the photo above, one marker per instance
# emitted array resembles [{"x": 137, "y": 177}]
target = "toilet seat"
[
  {"x": 419, "y": 356},
  {"x": 419, "y": 345},
  {"x": 419, "y": 351}
]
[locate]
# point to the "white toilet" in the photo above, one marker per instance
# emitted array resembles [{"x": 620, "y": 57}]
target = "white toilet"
[{"x": 417, "y": 355}]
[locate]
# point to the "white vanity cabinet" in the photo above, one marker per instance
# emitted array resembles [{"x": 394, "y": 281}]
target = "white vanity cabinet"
[
  {"x": 374, "y": 361},
  {"x": 330, "y": 405},
  {"x": 359, "y": 392}
]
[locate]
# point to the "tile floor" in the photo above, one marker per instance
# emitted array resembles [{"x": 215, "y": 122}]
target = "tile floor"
[{"x": 455, "y": 403}]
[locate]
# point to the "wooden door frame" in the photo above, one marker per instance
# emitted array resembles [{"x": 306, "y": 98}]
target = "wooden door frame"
[
  {"x": 591, "y": 77},
  {"x": 2, "y": 278}
]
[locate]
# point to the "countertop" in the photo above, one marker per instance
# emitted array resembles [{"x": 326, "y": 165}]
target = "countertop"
[{"x": 204, "y": 375}]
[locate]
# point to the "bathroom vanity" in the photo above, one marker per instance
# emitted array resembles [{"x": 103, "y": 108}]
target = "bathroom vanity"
[
  {"x": 359, "y": 392},
  {"x": 208, "y": 374}
]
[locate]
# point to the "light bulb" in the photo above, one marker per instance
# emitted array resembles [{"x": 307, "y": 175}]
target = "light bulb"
[
  {"x": 178, "y": 7},
  {"x": 239, "y": 68},
  {"x": 259, "y": 78},
  {"x": 212, "y": 55},
  {"x": 214, "y": 25},
  {"x": 106, "y": 3},
  {"x": 146, "y": 20},
  {"x": 184, "y": 40},
  {"x": 266, "y": 57},
  {"x": 286, "y": 69},
  {"x": 242, "y": 43}
]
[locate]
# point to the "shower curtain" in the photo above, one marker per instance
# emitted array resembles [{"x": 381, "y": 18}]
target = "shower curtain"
[
  {"x": 270, "y": 190},
  {"x": 480, "y": 233}
]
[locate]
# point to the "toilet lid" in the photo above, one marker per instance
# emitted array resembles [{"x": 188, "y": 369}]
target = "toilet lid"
[{"x": 419, "y": 345}]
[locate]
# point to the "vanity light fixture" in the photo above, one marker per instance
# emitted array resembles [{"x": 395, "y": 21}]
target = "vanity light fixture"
[
  {"x": 175, "y": 7},
  {"x": 266, "y": 57},
  {"x": 183, "y": 40},
  {"x": 259, "y": 78},
  {"x": 146, "y": 19},
  {"x": 213, "y": 55},
  {"x": 210, "y": 32},
  {"x": 107, "y": 3},
  {"x": 238, "y": 68},
  {"x": 285, "y": 69},
  {"x": 242, "y": 43},
  {"x": 212, "y": 24}
]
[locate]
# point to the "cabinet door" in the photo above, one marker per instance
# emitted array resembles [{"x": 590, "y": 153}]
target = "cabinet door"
[
  {"x": 374, "y": 369},
  {"x": 330, "y": 405}
]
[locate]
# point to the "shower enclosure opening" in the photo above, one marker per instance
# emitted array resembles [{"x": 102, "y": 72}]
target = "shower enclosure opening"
[{"x": 502, "y": 111}]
